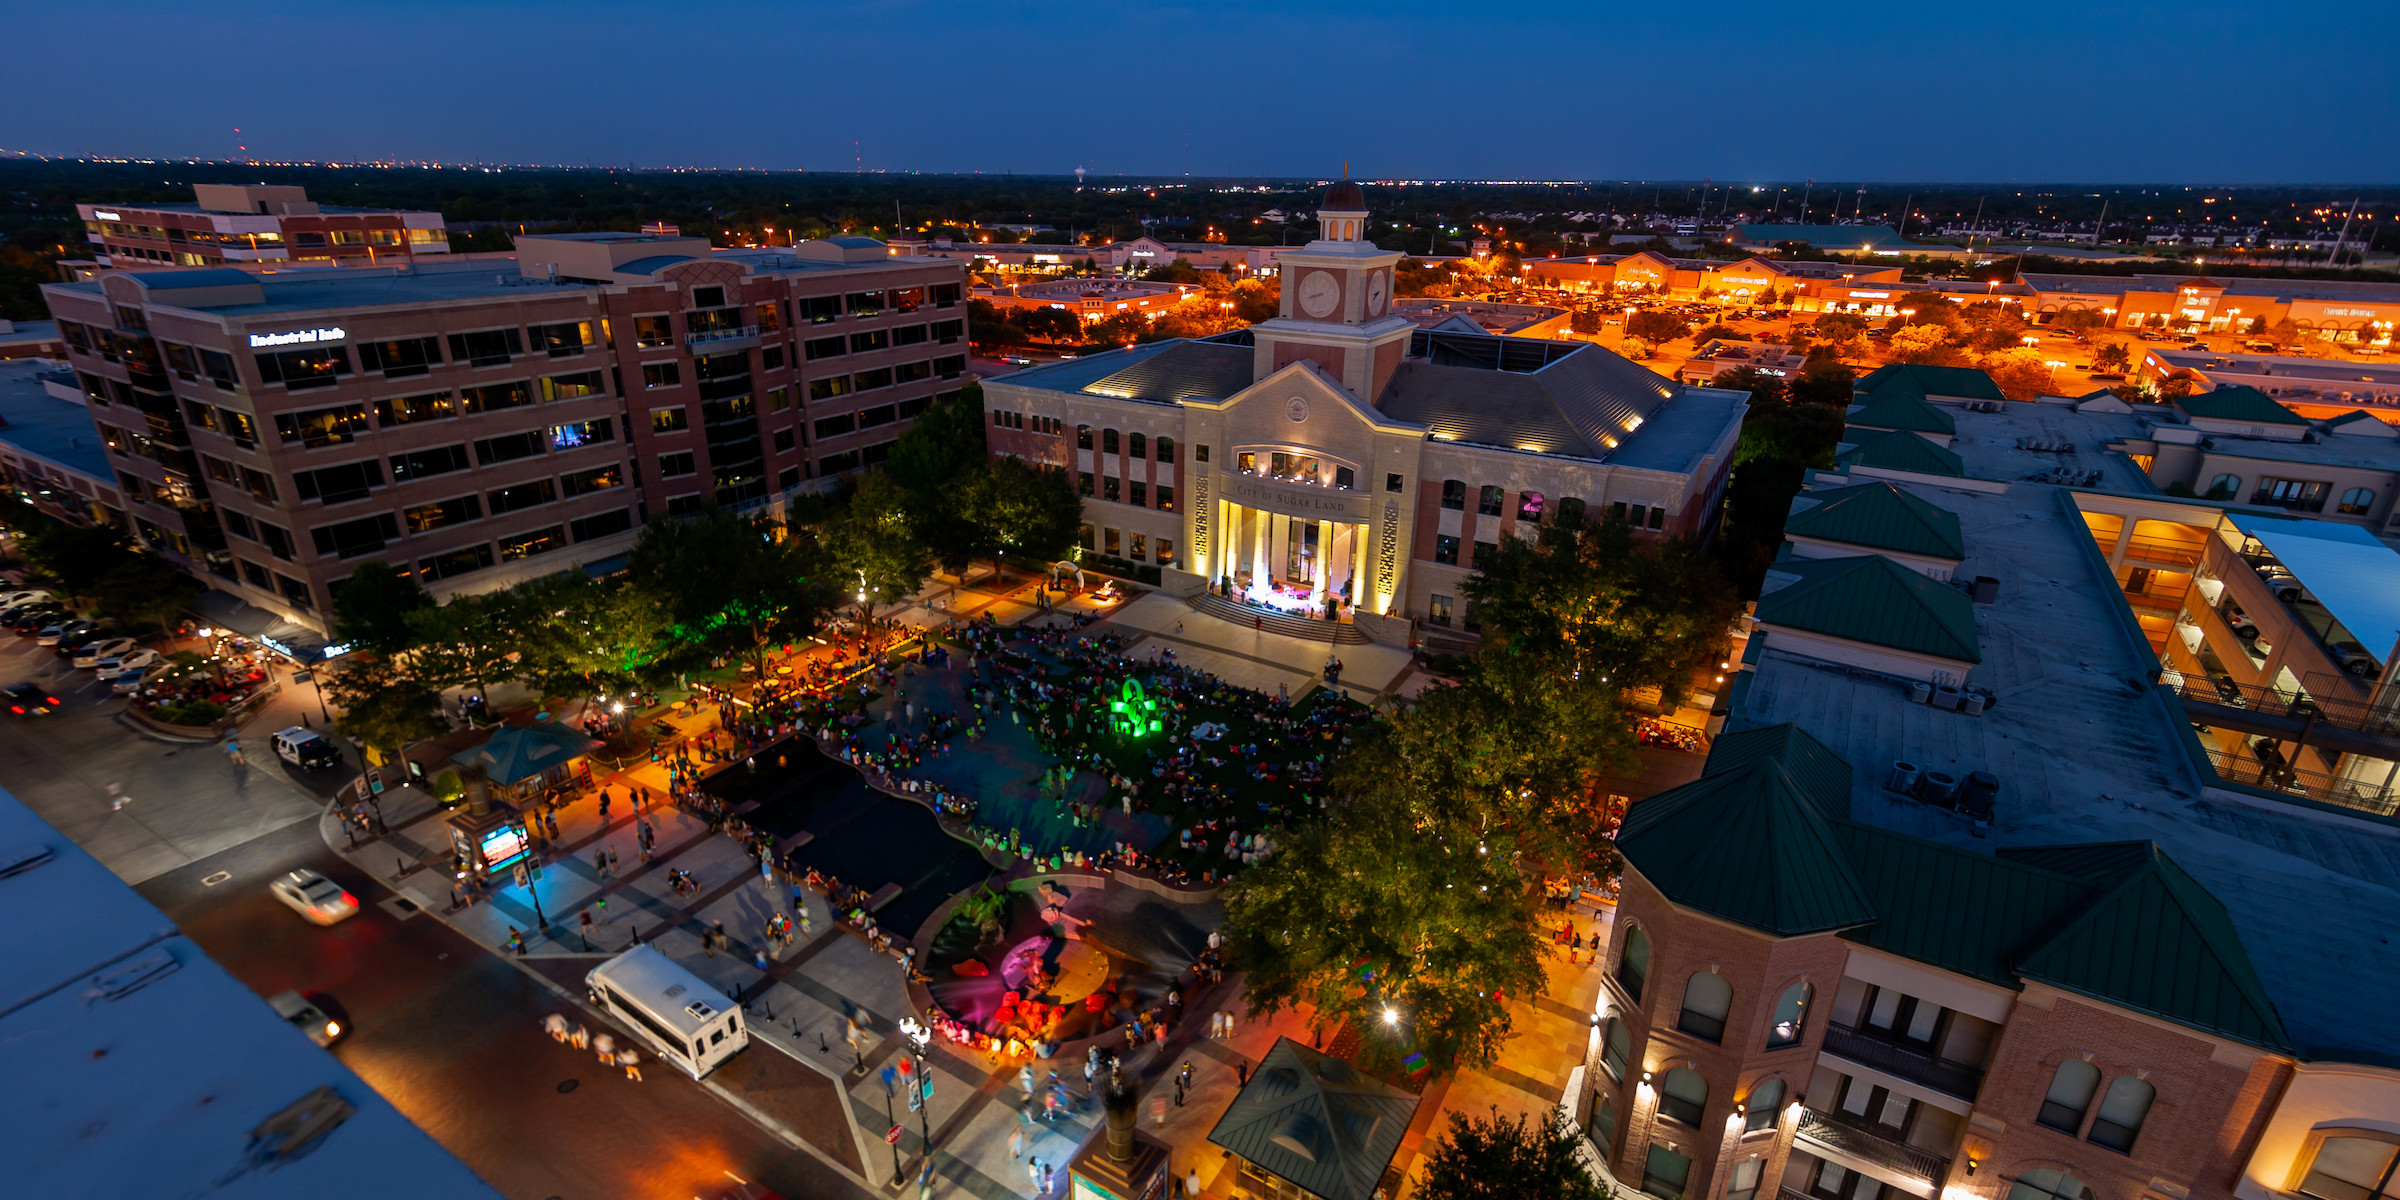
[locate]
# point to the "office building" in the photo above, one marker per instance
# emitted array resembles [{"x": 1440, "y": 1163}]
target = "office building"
[
  {"x": 2347, "y": 312},
  {"x": 256, "y": 223}
]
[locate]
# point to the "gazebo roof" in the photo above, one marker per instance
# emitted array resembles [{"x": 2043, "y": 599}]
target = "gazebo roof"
[{"x": 517, "y": 753}]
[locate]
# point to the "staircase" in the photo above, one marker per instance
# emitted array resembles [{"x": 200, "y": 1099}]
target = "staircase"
[{"x": 1338, "y": 632}]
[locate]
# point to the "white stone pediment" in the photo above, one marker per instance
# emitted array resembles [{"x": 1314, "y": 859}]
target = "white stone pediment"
[{"x": 1309, "y": 405}]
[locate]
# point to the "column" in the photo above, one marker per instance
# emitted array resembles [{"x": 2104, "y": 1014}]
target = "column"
[
  {"x": 1338, "y": 559},
  {"x": 1262, "y": 527}
]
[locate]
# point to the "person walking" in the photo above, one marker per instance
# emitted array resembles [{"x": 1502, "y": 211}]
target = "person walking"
[
  {"x": 604, "y": 1046},
  {"x": 516, "y": 942},
  {"x": 580, "y": 1038},
  {"x": 600, "y": 862},
  {"x": 116, "y": 796},
  {"x": 556, "y": 1026},
  {"x": 1191, "y": 1182},
  {"x": 1016, "y": 1143},
  {"x": 612, "y": 860},
  {"x": 631, "y": 1061},
  {"x": 1025, "y": 1080},
  {"x": 584, "y": 927},
  {"x": 1033, "y": 1171}
]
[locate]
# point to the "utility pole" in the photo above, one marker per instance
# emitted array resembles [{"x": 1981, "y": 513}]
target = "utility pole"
[
  {"x": 1804, "y": 191},
  {"x": 1974, "y": 225},
  {"x": 1903, "y": 227},
  {"x": 2102, "y": 226},
  {"x": 2344, "y": 235}
]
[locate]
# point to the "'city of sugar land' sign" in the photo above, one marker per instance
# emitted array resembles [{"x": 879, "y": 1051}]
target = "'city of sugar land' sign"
[{"x": 298, "y": 337}]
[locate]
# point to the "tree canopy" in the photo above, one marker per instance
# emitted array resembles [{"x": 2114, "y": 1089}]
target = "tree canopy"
[
  {"x": 372, "y": 607},
  {"x": 1508, "y": 1158},
  {"x": 733, "y": 585}
]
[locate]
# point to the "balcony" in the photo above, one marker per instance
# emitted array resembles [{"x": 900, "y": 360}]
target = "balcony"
[
  {"x": 1823, "y": 1131},
  {"x": 1942, "y": 1075},
  {"x": 714, "y": 341}
]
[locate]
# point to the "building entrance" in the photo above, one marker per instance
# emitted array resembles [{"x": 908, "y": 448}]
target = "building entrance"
[{"x": 1296, "y": 564}]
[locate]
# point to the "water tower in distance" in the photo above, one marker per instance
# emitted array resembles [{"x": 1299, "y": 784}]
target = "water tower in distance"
[{"x": 1079, "y": 178}]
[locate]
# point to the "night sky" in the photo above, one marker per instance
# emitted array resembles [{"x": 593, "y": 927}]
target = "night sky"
[{"x": 2207, "y": 91}]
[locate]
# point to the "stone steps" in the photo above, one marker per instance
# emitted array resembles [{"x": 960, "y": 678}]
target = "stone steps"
[{"x": 1338, "y": 632}]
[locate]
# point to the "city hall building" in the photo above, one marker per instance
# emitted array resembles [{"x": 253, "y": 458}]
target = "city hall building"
[{"x": 1340, "y": 458}]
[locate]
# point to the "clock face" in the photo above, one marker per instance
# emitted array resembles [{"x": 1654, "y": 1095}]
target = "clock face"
[
  {"x": 1319, "y": 293},
  {"x": 1375, "y": 290}
]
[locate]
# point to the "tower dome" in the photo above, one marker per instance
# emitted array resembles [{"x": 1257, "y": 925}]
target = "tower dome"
[{"x": 1344, "y": 196}]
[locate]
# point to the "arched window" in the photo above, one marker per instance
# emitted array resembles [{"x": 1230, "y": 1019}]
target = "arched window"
[
  {"x": 2070, "y": 1095},
  {"x": 1454, "y": 494},
  {"x": 2042, "y": 1183},
  {"x": 1166, "y": 449},
  {"x": 2352, "y": 1165},
  {"x": 1529, "y": 506},
  {"x": 1683, "y": 1095},
  {"x": 1137, "y": 445},
  {"x": 1487, "y": 503},
  {"x": 1791, "y": 1016},
  {"x": 1706, "y": 1000},
  {"x": 1615, "y": 1047},
  {"x": 1765, "y": 1100},
  {"x": 1604, "y": 1123},
  {"x": 1633, "y": 962},
  {"x": 2121, "y": 1113},
  {"x": 2357, "y": 501},
  {"x": 1570, "y": 510},
  {"x": 2224, "y": 487},
  {"x": 1083, "y": 437},
  {"x": 1108, "y": 441}
]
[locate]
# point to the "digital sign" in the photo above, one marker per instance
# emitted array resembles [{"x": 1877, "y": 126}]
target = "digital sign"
[
  {"x": 502, "y": 846},
  {"x": 298, "y": 337}
]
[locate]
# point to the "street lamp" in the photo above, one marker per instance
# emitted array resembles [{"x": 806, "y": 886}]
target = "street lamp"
[
  {"x": 918, "y": 1036},
  {"x": 892, "y": 1139}
]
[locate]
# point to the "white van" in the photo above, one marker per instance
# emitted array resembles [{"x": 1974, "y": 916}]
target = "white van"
[{"x": 685, "y": 1021}]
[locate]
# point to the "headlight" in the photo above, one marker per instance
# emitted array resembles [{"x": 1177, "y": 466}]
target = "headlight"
[{"x": 333, "y": 1029}]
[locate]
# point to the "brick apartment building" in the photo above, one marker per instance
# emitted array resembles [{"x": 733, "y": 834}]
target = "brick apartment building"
[
  {"x": 477, "y": 423},
  {"x": 256, "y": 223}
]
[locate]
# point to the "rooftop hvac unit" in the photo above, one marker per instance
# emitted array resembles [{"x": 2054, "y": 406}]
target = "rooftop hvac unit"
[
  {"x": 1904, "y": 777},
  {"x": 1987, "y": 589},
  {"x": 1920, "y": 692},
  {"x": 1971, "y": 703},
  {"x": 1938, "y": 788},
  {"x": 1975, "y": 797},
  {"x": 1945, "y": 698}
]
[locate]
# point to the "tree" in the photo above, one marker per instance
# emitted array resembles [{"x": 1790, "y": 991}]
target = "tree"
[
  {"x": 2021, "y": 374},
  {"x": 2175, "y": 386},
  {"x": 589, "y": 637},
  {"x": 1018, "y": 510},
  {"x": 1654, "y": 326},
  {"x": 145, "y": 593},
  {"x": 877, "y": 544},
  {"x": 371, "y": 609},
  {"x": 1839, "y": 327},
  {"x": 1823, "y": 382},
  {"x": 77, "y": 556},
  {"x": 471, "y": 641},
  {"x": 1928, "y": 344},
  {"x": 1727, "y": 332},
  {"x": 2112, "y": 356},
  {"x": 1764, "y": 389},
  {"x": 2080, "y": 321},
  {"x": 1050, "y": 324},
  {"x": 731, "y": 584},
  {"x": 381, "y": 706},
  {"x": 1498, "y": 1158},
  {"x": 1121, "y": 328}
]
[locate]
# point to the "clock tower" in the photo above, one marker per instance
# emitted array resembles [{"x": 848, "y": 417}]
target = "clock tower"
[{"x": 1337, "y": 302}]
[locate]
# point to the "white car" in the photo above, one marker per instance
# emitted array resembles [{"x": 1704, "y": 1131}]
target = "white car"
[
  {"x": 131, "y": 681},
  {"x": 315, "y": 897},
  {"x": 134, "y": 659},
  {"x": 91, "y": 654},
  {"x": 13, "y": 599},
  {"x": 306, "y": 1017}
]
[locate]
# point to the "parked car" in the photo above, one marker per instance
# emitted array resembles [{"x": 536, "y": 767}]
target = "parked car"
[
  {"x": 2281, "y": 582},
  {"x": 304, "y": 748},
  {"x": 92, "y": 631},
  {"x": 315, "y": 897},
  {"x": 32, "y": 618},
  {"x": 23, "y": 596},
  {"x": 91, "y": 653},
  {"x": 307, "y": 1017},
  {"x": 59, "y": 631},
  {"x": 139, "y": 656},
  {"x": 2352, "y": 657},
  {"x": 129, "y": 682},
  {"x": 2240, "y": 623},
  {"x": 29, "y": 700}
]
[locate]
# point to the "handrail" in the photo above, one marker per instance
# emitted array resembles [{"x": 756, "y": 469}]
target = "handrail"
[
  {"x": 709, "y": 337},
  {"x": 1953, "y": 1078},
  {"x": 1842, "y": 1137}
]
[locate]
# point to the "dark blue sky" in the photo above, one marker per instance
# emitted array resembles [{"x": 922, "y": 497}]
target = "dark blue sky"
[{"x": 2207, "y": 91}]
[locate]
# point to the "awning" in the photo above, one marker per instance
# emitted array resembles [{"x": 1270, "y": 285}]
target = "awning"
[{"x": 270, "y": 629}]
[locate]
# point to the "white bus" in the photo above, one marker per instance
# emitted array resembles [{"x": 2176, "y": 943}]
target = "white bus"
[{"x": 685, "y": 1021}]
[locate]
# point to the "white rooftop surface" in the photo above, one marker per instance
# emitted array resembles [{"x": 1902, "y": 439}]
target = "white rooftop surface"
[
  {"x": 1997, "y": 445},
  {"x": 131, "y": 1064},
  {"x": 2354, "y": 575},
  {"x": 2085, "y": 752},
  {"x": 646, "y": 976}
]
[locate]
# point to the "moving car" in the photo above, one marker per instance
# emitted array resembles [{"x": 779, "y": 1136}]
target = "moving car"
[
  {"x": 311, "y": 1020},
  {"x": 24, "y": 596},
  {"x": 311, "y": 895},
  {"x": 29, "y": 700},
  {"x": 304, "y": 748},
  {"x": 92, "y": 653}
]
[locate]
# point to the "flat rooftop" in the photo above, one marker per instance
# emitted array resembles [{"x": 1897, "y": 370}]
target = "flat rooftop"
[
  {"x": 2281, "y": 366},
  {"x": 322, "y": 210},
  {"x": 2087, "y": 751},
  {"x": 2015, "y": 442},
  {"x": 44, "y": 426},
  {"x": 137, "y": 1066}
]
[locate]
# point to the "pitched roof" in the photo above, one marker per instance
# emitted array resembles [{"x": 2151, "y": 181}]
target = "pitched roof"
[
  {"x": 1746, "y": 844},
  {"x": 1185, "y": 370},
  {"x": 1879, "y": 516},
  {"x": 1316, "y": 1121},
  {"x": 1902, "y": 408},
  {"x": 1583, "y": 402},
  {"x": 2154, "y": 940},
  {"x": 1968, "y": 382},
  {"x": 520, "y": 752},
  {"x": 2238, "y": 404},
  {"x": 1901, "y": 450},
  {"x": 1874, "y": 600},
  {"x": 1956, "y": 909},
  {"x": 1821, "y": 773}
]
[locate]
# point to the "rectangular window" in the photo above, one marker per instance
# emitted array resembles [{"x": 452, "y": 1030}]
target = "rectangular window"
[
  {"x": 1137, "y": 494},
  {"x": 455, "y": 563},
  {"x": 277, "y": 540},
  {"x": 1344, "y": 478},
  {"x": 316, "y": 427},
  {"x": 865, "y": 304},
  {"x": 539, "y": 541},
  {"x": 256, "y": 576},
  {"x": 1438, "y": 611},
  {"x": 913, "y": 372},
  {"x": 653, "y": 333},
  {"x": 259, "y": 484},
  {"x": 1454, "y": 495},
  {"x": 425, "y": 518},
  {"x": 824, "y": 347},
  {"x": 947, "y": 332},
  {"x": 670, "y": 420},
  {"x": 495, "y": 397},
  {"x": 779, "y": 399},
  {"x": 573, "y": 387},
  {"x": 834, "y": 464},
  {"x": 217, "y": 468},
  {"x": 218, "y": 366},
  {"x": 294, "y": 592},
  {"x": 1487, "y": 502},
  {"x": 1658, "y": 516},
  {"x": 820, "y": 310},
  {"x": 770, "y": 317},
  {"x": 867, "y": 381},
  {"x": 563, "y": 340},
  {"x": 1083, "y": 483},
  {"x": 339, "y": 484},
  {"x": 907, "y": 299},
  {"x": 871, "y": 340},
  {"x": 582, "y": 433},
  {"x": 1141, "y": 547},
  {"x": 600, "y": 525},
  {"x": 1109, "y": 486},
  {"x": 827, "y": 389},
  {"x": 1166, "y": 552},
  {"x": 424, "y": 464},
  {"x": 1200, "y": 454},
  {"x": 945, "y": 295},
  {"x": 686, "y": 504},
  {"x": 784, "y": 441},
  {"x": 1166, "y": 497},
  {"x": 881, "y": 414},
  {"x": 488, "y": 348},
  {"x": 598, "y": 479},
  {"x": 1445, "y": 549},
  {"x": 770, "y": 358},
  {"x": 366, "y": 535},
  {"x": 400, "y": 357},
  {"x": 678, "y": 463},
  {"x": 401, "y": 410},
  {"x": 787, "y": 479},
  {"x": 909, "y": 335},
  {"x": 508, "y": 447},
  {"x": 1109, "y": 544},
  {"x": 1664, "y": 1172},
  {"x": 321, "y": 366},
  {"x": 521, "y": 496},
  {"x": 835, "y": 426},
  {"x": 1166, "y": 450}
]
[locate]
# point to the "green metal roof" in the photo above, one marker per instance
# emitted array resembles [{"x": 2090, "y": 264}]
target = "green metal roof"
[
  {"x": 1956, "y": 909},
  {"x": 1821, "y": 773},
  {"x": 1874, "y": 600},
  {"x": 2238, "y": 404},
  {"x": 2155, "y": 941},
  {"x": 1746, "y": 844},
  {"x": 1881, "y": 516},
  {"x": 1901, "y": 450},
  {"x": 1965, "y": 382},
  {"x": 1316, "y": 1121},
  {"x": 1902, "y": 408}
]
